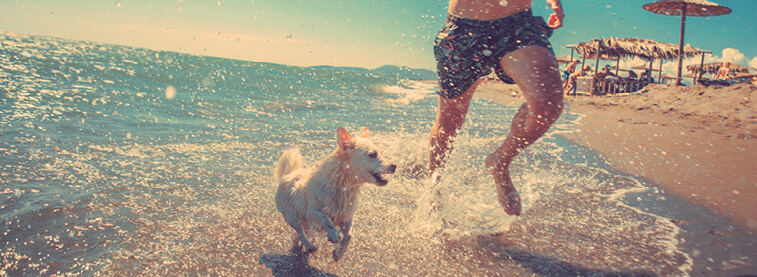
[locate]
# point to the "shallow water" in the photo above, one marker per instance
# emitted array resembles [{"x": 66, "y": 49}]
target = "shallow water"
[{"x": 119, "y": 161}]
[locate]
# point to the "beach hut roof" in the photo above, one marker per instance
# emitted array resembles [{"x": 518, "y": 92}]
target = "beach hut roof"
[
  {"x": 614, "y": 48},
  {"x": 713, "y": 68}
]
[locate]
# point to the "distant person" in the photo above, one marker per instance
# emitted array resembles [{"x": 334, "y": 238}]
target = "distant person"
[
  {"x": 484, "y": 35},
  {"x": 605, "y": 73},
  {"x": 723, "y": 71},
  {"x": 631, "y": 85},
  {"x": 569, "y": 70},
  {"x": 608, "y": 80},
  {"x": 571, "y": 83},
  {"x": 646, "y": 76}
]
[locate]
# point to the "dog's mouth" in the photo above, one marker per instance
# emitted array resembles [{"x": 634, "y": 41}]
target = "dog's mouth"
[{"x": 380, "y": 181}]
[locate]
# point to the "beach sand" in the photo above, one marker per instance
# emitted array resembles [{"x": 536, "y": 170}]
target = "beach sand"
[{"x": 698, "y": 144}]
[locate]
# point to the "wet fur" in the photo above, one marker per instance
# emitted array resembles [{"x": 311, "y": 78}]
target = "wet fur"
[{"x": 324, "y": 197}]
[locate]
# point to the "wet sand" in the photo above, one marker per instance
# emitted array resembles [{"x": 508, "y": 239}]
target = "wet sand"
[
  {"x": 696, "y": 144},
  {"x": 696, "y": 147}
]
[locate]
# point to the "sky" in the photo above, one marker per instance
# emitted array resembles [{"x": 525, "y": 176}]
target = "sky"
[{"x": 362, "y": 33}]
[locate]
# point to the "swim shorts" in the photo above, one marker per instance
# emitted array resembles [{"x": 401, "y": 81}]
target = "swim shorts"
[{"x": 468, "y": 49}]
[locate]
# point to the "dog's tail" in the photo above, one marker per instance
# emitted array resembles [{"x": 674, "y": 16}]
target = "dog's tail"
[{"x": 290, "y": 161}]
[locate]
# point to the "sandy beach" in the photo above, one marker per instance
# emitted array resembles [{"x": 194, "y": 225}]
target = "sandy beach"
[{"x": 696, "y": 142}]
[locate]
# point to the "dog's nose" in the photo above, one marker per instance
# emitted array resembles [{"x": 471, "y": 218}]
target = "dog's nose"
[{"x": 391, "y": 168}]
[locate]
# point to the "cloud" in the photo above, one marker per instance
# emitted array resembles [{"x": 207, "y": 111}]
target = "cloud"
[
  {"x": 753, "y": 63},
  {"x": 728, "y": 55},
  {"x": 733, "y": 55},
  {"x": 631, "y": 63}
]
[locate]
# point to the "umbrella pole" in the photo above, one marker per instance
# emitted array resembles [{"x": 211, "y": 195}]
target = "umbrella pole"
[
  {"x": 583, "y": 61},
  {"x": 659, "y": 76},
  {"x": 701, "y": 70},
  {"x": 599, "y": 54},
  {"x": 680, "y": 43},
  {"x": 617, "y": 66}
]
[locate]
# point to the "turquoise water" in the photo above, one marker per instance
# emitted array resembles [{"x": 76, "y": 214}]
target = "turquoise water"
[{"x": 131, "y": 162}]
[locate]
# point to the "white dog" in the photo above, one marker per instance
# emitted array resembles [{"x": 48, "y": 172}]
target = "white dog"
[{"x": 324, "y": 197}]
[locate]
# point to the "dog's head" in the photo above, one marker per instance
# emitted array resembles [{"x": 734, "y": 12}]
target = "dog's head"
[{"x": 365, "y": 165}]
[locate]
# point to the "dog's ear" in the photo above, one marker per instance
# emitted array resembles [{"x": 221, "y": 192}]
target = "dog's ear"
[
  {"x": 364, "y": 132},
  {"x": 344, "y": 139}
]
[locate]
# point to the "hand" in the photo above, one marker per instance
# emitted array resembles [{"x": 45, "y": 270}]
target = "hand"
[{"x": 555, "y": 19}]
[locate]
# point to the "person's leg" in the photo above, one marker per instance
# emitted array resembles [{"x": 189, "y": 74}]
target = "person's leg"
[
  {"x": 534, "y": 69},
  {"x": 449, "y": 119},
  {"x": 570, "y": 84}
]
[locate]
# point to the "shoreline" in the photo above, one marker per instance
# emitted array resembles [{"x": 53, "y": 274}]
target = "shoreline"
[
  {"x": 693, "y": 147},
  {"x": 699, "y": 148}
]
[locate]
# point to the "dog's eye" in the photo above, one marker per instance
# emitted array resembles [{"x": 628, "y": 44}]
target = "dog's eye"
[{"x": 373, "y": 155}]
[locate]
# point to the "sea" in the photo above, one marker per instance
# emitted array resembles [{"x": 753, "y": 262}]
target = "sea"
[{"x": 122, "y": 161}]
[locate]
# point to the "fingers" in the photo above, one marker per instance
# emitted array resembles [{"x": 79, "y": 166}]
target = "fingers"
[{"x": 555, "y": 21}]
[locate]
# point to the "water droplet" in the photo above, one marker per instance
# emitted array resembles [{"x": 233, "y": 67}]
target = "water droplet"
[
  {"x": 170, "y": 92},
  {"x": 503, "y": 3}
]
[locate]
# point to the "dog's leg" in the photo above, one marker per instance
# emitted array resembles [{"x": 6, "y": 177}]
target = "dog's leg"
[
  {"x": 309, "y": 247},
  {"x": 331, "y": 231},
  {"x": 339, "y": 251},
  {"x": 297, "y": 226},
  {"x": 296, "y": 245}
]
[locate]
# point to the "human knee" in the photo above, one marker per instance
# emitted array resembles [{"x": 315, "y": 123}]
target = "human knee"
[{"x": 547, "y": 111}]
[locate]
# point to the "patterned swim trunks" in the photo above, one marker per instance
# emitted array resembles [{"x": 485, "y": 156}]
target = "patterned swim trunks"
[{"x": 468, "y": 49}]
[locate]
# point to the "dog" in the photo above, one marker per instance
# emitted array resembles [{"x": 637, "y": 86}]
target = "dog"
[{"x": 324, "y": 196}]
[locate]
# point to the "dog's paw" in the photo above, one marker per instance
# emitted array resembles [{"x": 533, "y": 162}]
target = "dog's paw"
[
  {"x": 341, "y": 248},
  {"x": 333, "y": 236},
  {"x": 338, "y": 253}
]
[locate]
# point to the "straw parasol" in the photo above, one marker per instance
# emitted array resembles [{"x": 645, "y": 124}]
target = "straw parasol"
[
  {"x": 685, "y": 8},
  {"x": 565, "y": 59},
  {"x": 646, "y": 49},
  {"x": 713, "y": 68}
]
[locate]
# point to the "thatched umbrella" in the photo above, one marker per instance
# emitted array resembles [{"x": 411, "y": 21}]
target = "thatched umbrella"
[
  {"x": 646, "y": 49},
  {"x": 685, "y": 8},
  {"x": 713, "y": 68},
  {"x": 564, "y": 59}
]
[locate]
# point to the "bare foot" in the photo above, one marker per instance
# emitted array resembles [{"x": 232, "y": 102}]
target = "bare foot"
[
  {"x": 436, "y": 204},
  {"x": 510, "y": 201},
  {"x": 507, "y": 196}
]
